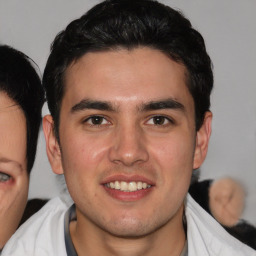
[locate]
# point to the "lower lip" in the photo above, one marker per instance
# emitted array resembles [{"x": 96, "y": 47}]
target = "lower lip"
[{"x": 128, "y": 196}]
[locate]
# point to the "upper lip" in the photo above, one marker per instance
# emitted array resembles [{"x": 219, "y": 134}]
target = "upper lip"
[{"x": 127, "y": 178}]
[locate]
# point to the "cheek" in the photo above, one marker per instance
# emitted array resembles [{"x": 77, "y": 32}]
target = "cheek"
[
  {"x": 21, "y": 200},
  {"x": 174, "y": 152},
  {"x": 12, "y": 206},
  {"x": 174, "y": 160},
  {"x": 85, "y": 150},
  {"x": 13, "y": 200},
  {"x": 82, "y": 162},
  {"x": 83, "y": 159}
]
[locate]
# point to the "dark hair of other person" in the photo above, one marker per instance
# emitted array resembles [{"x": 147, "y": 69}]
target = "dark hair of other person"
[
  {"x": 121, "y": 24},
  {"x": 19, "y": 80}
]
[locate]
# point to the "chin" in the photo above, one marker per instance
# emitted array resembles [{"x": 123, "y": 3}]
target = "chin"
[
  {"x": 129, "y": 232},
  {"x": 132, "y": 228}
]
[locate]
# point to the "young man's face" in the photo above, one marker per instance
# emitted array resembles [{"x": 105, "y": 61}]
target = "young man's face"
[
  {"x": 128, "y": 140},
  {"x": 13, "y": 172}
]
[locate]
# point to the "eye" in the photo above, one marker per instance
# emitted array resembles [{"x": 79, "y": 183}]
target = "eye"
[
  {"x": 96, "y": 120},
  {"x": 159, "y": 120},
  {"x": 4, "y": 177}
]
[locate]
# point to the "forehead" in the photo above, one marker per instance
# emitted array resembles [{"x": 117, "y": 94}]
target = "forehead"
[
  {"x": 11, "y": 116},
  {"x": 9, "y": 110},
  {"x": 12, "y": 131},
  {"x": 138, "y": 75},
  {"x": 6, "y": 101}
]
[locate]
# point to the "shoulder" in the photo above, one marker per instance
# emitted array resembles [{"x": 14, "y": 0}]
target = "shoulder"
[
  {"x": 207, "y": 237},
  {"x": 42, "y": 233},
  {"x": 33, "y": 206}
]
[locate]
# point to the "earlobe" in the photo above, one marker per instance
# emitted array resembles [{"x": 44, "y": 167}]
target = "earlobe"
[
  {"x": 202, "y": 140},
  {"x": 52, "y": 145}
]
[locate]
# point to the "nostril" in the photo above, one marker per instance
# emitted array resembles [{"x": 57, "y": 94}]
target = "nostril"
[
  {"x": 128, "y": 157},
  {"x": 128, "y": 146}
]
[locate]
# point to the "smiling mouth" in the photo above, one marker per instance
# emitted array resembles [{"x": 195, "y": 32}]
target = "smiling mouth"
[{"x": 127, "y": 186}]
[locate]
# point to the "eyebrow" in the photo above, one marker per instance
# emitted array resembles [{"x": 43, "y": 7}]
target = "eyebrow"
[
  {"x": 92, "y": 104},
  {"x": 8, "y": 107},
  {"x": 7, "y": 161},
  {"x": 169, "y": 103}
]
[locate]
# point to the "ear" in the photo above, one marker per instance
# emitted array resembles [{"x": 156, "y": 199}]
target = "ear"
[
  {"x": 52, "y": 145},
  {"x": 202, "y": 140}
]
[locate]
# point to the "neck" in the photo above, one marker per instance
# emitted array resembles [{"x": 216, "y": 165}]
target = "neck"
[{"x": 167, "y": 240}]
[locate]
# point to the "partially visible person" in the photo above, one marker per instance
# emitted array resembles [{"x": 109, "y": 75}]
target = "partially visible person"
[
  {"x": 21, "y": 101},
  {"x": 128, "y": 87},
  {"x": 224, "y": 200}
]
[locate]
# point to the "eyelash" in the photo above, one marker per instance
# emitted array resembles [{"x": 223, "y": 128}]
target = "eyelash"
[
  {"x": 90, "y": 118},
  {"x": 164, "y": 118},
  {"x": 103, "y": 121},
  {"x": 4, "y": 177}
]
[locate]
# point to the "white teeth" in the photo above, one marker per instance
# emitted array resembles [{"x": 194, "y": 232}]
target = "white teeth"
[
  {"x": 139, "y": 185},
  {"x": 117, "y": 185},
  {"x": 144, "y": 185},
  {"x": 124, "y": 186},
  {"x": 127, "y": 186},
  {"x": 132, "y": 186}
]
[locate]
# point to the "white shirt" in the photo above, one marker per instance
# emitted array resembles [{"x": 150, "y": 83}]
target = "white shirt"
[
  {"x": 43, "y": 234},
  {"x": 207, "y": 237}
]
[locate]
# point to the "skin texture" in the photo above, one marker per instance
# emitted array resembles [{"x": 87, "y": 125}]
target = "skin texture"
[
  {"x": 132, "y": 141},
  {"x": 14, "y": 190}
]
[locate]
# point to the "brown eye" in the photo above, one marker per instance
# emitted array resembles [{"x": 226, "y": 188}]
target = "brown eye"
[
  {"x": 96, "y": 120},
  {"x": 159, "y": 120}
]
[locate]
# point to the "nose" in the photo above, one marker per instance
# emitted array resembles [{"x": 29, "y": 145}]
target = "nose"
[{"x": 128, "y": 146}]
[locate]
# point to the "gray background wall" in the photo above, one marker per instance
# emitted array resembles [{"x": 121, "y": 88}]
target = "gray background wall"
[{"x": 229, "y": 29}]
